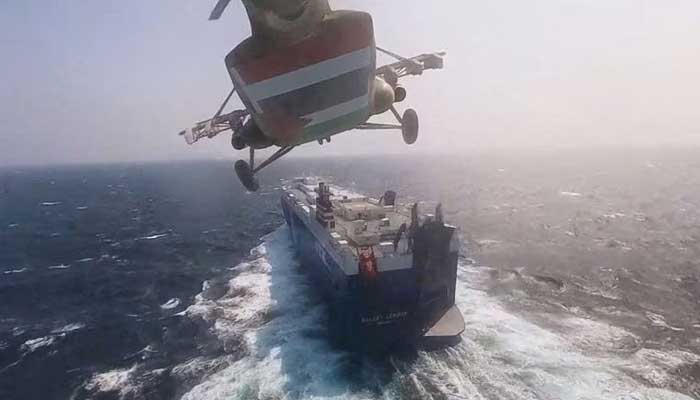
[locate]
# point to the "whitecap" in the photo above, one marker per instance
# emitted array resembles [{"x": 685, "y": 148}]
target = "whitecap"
[
  {"x": 13, "y": 225},
  {"x": 660, "y": 321},
  {"x": 570, "y": 194},
  {"x": 51, "y": 203},
  {"x": 502, "y": 355},
  {"x": 488, "y": 242},
  {"x": 118, "y": 381},
  {"x": 273, "y": 324},
  {"x": 170, "y": 304},
  {"x": 614, "y": 215},
  {"x": 35, "y": 344},
  {"x": 86, "y": 259},
  {"x": 60, "y": 266},
  {"x": 15, "y": 271},
  {"x": 81, "y": 208},
  {"x": 69, "y": 328},
  {"x": 154, "y": 237}
]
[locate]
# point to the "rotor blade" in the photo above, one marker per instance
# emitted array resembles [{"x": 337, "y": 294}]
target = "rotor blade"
[{"x": 218, "y": 9}]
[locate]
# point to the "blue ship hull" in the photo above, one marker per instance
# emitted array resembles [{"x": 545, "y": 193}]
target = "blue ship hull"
[{"x": 387, "y": 313}]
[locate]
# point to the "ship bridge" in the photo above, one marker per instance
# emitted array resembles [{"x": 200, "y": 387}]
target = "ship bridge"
[{"x": 354, "y": 221}]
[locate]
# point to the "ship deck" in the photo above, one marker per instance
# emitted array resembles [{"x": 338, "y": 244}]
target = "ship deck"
[{"x": 359, "y": 221}]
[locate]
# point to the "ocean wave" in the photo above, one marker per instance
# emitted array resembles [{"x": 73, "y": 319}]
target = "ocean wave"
[
  {"x": 15, "y": 271},
  {"x": 153, "y": 237},
  {"x": 60, "y": 266},
  {"x": 570, "y": 194},
  {"x": 69, "y": 328},
  {"x": 116, "y": 381},
  {"x": 502, "y": 355},
  {"x": 269, "y": 308},
  {"x": 51, "y": 203},
  {"x": 35, "y": 344},
  {"x": 660, "y": 321},
  {"x": 170, "y": 304}
]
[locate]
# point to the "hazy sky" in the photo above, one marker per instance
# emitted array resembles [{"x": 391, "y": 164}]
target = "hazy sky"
[{"x": 90, "y": 81}]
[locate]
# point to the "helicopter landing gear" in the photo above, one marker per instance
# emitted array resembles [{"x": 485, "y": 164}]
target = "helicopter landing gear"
[
  {"x": 246, "y": 173},
  {"x": 246, "y": 170},
  {"x": 408, "y": 125},
  {"x": 246, "y": 176}
]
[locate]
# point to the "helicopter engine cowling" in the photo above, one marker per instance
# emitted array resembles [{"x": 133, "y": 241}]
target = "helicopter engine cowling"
[
  {"x": 383, "y": 96},
  {"x": 285, "y": 21}
]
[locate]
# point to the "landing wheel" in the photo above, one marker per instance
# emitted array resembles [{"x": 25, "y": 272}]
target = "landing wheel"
[
  {"x": 246, "y": 176},
  {"x": 237, "y": 142},
  {"x": 409, "y": 126}
]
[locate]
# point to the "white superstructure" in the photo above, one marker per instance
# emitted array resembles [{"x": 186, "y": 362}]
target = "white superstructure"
[{"x": 358, "y": 223}]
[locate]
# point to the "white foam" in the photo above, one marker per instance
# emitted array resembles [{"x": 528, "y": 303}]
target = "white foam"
[
  {"x": 170, "y": 304},
  {"x": 81, "y": 208},
  {"x": 570, "y": 194},
  {"x": 502, "y": 355},
  {"x": 285, "y": 359},
  {"x": 488, "y": 242},
  {"x": 614, "y": 215},
  {"x": 86, "y": 259},
  {"x": 51, "y": 203},
  {"x": 35, "y": 344},
  {"x": 154, "y": 237},
  {"x": 15, "y": 271},
  {"x": 69, "y": 328},
  {"x": 60, "y": 266},
  {"x": 660, "y": 321},
  {"x": 118, "y": 381}
]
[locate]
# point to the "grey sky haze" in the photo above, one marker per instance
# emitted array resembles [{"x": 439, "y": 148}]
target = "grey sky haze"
[{"x": 92, "y": 81}]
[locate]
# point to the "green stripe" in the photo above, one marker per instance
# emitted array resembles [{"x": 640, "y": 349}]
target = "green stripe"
[{"x": 334, "y": 126}]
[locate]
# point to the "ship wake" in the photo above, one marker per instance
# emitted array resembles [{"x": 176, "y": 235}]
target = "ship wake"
[
  {"x": 508, "y": 356},
  {"x": 272, "y": 330},
  {"x": 271, "y": 306}
]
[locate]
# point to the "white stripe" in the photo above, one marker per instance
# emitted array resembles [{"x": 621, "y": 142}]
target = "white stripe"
[
  {"x": 237, "y": 78},
  {"x": 309, "y": 75},
  {"x": 337, "y": 110}
]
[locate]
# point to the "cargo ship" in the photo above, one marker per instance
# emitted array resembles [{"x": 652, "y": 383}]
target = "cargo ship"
[{"x": 387, "y": 272}]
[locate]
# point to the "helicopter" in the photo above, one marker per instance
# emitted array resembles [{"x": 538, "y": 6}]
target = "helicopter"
[{"x": 306, "y": 73}]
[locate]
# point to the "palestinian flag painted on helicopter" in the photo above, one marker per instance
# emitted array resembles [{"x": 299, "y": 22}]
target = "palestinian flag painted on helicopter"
[{"x": 314, "y": 88}]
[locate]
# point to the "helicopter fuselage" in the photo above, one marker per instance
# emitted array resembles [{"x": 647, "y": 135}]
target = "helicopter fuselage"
[{"x": 310, "y": 89}]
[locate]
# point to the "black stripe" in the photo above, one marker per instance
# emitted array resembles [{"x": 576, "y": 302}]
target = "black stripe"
[{"x": 321, "y": 95}]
